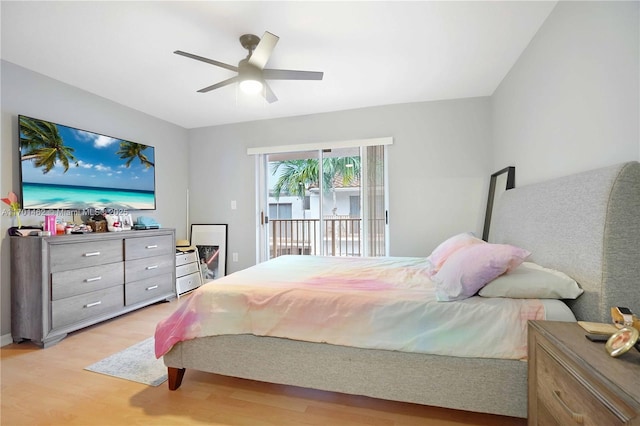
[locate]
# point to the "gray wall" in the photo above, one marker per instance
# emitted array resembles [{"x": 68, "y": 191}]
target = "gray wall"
[
  {"x": 571, "y": 102},
  {"x": 32, "y": 94},
  {"x": 438, "y": 169}
]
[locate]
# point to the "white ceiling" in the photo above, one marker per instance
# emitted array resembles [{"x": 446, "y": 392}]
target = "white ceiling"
[{"x": 371, "y": 53}]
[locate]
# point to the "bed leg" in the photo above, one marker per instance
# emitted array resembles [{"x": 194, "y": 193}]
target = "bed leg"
[{"x": 175, "y": 377}]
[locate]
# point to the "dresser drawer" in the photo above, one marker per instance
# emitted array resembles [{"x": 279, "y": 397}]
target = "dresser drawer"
[
  {"x": 85, "y": 280},
  {"x": 138, "y": 248},
  {"x": 184, "y": 258},
  {"x": 148, "y": 267},
  {"x": 566, "y": 395},
  {"x": 81, "y": 255},
  {"x": 187, "y": 269},
  {"x": 188, "y": 282},
  {"x": 149, "y": 288},
  {"x": 84, "y": 306}
]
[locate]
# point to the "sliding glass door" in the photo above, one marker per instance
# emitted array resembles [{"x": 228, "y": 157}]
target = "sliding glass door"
[{"x": 329, "y": 202}]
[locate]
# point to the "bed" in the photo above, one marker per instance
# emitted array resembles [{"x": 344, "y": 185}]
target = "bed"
[{"x": 585, "y": 225}]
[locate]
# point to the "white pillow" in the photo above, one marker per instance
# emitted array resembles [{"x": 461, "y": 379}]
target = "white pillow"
[{"x": 532, "y": 281}]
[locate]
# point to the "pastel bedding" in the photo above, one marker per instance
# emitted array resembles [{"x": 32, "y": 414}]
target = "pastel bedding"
[{"x": 377, "y": 303}]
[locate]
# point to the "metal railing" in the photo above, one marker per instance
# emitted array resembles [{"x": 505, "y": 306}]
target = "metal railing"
[{"x": 341, "y": 236}]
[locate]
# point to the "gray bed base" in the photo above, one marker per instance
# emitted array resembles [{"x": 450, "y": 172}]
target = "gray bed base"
[{"x": 587, "y": 225}]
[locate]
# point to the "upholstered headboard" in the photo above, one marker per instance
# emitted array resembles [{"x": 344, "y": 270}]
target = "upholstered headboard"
[{"x": 586, "y": 225}]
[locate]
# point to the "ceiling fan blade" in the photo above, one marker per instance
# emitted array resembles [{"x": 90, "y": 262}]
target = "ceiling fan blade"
[
  {"x": 268, "y": 94},
  {"x": 291, "y": 75},
  {"x": 261, "y": 54},
  {"x": 207, "y": 60},
  {"x": 219, "y": 85}
]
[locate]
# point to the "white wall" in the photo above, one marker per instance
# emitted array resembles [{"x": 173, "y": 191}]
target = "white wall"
[
  {"x": 32, "y": 94},
  {"x": 439, "y": 167},
  {"x": 571, "y": 102}
]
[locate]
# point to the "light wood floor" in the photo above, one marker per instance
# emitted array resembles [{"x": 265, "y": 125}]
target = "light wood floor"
[{"x": 50, "y": 387}]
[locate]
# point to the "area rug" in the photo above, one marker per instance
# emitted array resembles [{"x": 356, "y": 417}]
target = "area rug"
[{"x": 137, "y": 363}]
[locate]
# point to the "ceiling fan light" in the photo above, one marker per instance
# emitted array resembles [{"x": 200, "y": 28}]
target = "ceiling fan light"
[{"x": 250, "y": 86}]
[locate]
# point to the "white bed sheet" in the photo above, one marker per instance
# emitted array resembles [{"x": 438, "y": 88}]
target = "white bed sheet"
[{"x": 557, "y": 310}]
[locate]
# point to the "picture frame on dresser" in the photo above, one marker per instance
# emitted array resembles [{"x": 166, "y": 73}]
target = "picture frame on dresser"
[{"x": 211, "y": 243}]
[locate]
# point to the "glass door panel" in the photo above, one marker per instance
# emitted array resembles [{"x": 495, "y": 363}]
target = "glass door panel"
[{"x": 294, "y": 221}]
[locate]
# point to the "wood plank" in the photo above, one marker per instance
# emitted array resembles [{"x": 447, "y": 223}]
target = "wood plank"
[{"x": 50, "y": 386}]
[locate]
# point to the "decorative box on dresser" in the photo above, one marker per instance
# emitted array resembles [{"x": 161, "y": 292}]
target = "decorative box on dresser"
[
  {"x": 574, "y": 381},
  {"x": 62, "y": 283}
]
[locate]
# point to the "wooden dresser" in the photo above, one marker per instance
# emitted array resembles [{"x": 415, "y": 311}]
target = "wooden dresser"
[
  {"x": 62, "y": 283},
  {"x": 574, "y": 381}
]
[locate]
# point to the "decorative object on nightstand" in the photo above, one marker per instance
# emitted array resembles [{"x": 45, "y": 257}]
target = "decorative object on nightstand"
[
  {"x": 574, "y": 381},
  {"x": 188, "y": 275},
  {"x": 622, "y": 340},
  {"x": 623, "y": 317}
]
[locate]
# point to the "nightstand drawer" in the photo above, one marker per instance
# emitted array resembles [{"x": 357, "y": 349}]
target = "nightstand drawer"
[
  {"x": 567, "y": 395},
  {"x": 183, "y": 258},
  {"x": 188, "y": 282},
  {"x": 187, "y": 269}
]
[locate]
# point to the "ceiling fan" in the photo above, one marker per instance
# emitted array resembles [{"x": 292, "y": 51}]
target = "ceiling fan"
[{"x": 251, "y": 70}]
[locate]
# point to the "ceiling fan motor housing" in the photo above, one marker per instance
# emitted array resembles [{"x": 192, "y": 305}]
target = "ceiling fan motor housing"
[{"x": 246, "y": 71}]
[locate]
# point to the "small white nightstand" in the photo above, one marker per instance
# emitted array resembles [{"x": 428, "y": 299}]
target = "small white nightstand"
[{"x": 188, "y": 275}]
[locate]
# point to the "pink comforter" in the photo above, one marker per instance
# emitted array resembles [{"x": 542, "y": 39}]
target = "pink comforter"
[{"x": 382, "y": 303}]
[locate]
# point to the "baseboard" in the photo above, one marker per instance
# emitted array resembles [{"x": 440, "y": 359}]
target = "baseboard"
[{"x": 5, "y": 340}]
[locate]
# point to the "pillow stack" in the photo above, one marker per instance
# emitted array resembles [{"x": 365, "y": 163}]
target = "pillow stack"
[{"x": 464, "y": 264}]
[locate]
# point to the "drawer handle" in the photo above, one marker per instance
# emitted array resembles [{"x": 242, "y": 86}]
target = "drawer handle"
[
  {"x": 90, "y": 280},
  {"x": 151, "y": 267},
  {"x": 152, "y": 246},
  {"x": 153, "y": 287},
  {"x": 576, "y": 417},
  {"x": 89, "y": 305},
  {"x": 93, "y": 253}
]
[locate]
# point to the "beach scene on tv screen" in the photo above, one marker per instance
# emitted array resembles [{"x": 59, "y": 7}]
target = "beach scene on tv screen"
[{"x": 67, "y": 168}]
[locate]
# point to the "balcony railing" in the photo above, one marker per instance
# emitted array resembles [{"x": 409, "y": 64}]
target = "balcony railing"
[{"x": 341, "y": 236}]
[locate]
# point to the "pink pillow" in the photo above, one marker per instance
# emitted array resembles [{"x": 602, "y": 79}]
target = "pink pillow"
[
  {"x": 441, "y": 253},
  {"x": 469, "y": 269}
]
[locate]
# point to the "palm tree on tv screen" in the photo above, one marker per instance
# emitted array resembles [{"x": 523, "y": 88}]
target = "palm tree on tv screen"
[
  {"x": 131, "y": 150},
  {"x": 44, "y": 145}
]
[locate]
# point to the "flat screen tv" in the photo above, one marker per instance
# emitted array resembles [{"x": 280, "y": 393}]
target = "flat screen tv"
[{"x": 63, "y": 167}]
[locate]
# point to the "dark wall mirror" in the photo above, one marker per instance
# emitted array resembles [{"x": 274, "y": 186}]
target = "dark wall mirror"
[{"x": 501, "y": 181}]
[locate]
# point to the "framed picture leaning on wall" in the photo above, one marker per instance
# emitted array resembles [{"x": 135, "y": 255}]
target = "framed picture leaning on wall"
[{"x": 211, "y": 242}]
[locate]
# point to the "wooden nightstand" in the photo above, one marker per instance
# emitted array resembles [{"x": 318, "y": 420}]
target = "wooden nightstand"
[{"x": 574, "y": 381}]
